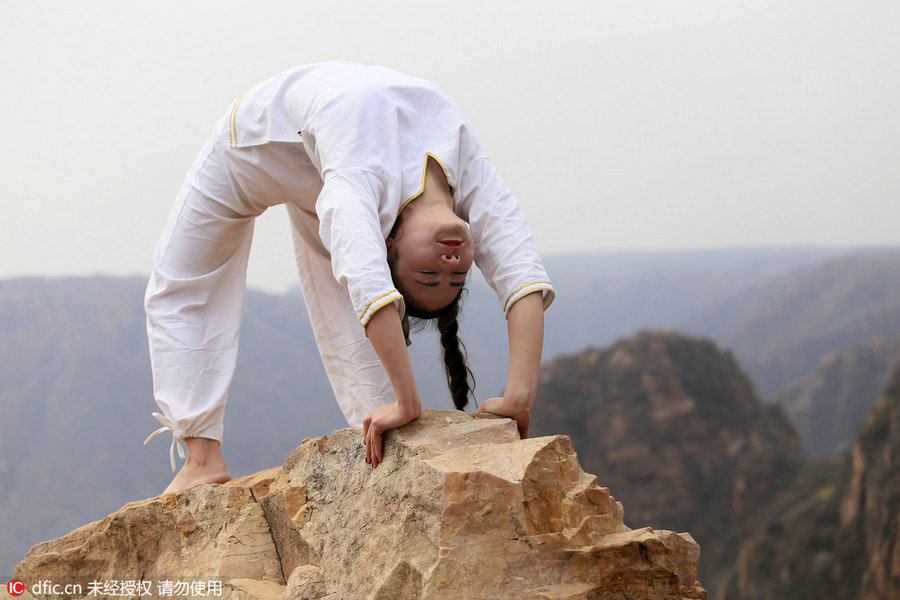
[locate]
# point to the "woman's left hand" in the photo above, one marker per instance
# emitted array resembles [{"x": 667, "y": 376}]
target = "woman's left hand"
[
  {"x": 518, "y": 412},
  {"x": 388, "y": 416},
  {"x": 525, "y": 323}
]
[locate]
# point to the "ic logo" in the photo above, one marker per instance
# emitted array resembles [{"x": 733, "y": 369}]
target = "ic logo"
[{"x": 15, "y": 587}]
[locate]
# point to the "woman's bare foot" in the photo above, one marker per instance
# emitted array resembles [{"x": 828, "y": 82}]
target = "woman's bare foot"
[{"x": 204, "y": 464}]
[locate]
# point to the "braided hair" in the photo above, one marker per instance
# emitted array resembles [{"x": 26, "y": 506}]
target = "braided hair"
[{"x": 453, "y": 351}]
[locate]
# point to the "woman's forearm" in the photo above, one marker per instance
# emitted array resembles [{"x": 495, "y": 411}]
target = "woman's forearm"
[
  {"x": 386, "y": 334},
  {"x": 525, "y": 324}
]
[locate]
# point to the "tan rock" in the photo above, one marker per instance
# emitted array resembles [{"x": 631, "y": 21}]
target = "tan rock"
[
  {"x": 254, "y": 589},
  {"x": 460, "y": 508},
  {"x": 210, "y": 532}
]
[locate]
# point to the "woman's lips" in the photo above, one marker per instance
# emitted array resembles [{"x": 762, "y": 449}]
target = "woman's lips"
[{"x": 454, "y": 245}]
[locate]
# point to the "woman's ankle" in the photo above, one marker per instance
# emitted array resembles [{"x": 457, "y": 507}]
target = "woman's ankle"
[
  {"x": 204, "y": 454},
  {"x": 204, "y": 464}
]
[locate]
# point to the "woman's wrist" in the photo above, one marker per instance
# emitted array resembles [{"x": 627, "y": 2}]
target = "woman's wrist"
[
  {"x": 407, "y": 394},
  {"x": 519, "y": 399},
  {"x": 411, "y": 406}
]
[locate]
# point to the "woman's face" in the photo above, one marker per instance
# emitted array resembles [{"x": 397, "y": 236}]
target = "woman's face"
[{"x": 430, "y": 256}]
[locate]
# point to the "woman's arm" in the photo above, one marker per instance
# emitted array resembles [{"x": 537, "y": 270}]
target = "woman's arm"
[
  {"x": 386, "y": 334},
  {"x": 525, "y": 323}
]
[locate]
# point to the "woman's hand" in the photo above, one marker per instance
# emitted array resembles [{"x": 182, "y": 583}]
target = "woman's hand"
[
  {"x": 386, "y": 334},
  {"x": 525, "y": 324},
  {"x": 387, "y": 416},
  {"x": 505, "y": 408}
]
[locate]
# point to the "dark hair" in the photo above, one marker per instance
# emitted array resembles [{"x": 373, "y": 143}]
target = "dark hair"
[{"x": 453, "y": 351}]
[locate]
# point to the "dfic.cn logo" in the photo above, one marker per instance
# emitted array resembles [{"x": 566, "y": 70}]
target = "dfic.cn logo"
[{"x": 15, "y": 587}]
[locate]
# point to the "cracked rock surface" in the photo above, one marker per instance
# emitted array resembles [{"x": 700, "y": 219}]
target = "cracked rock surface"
[{"x": 461, "y": 508}]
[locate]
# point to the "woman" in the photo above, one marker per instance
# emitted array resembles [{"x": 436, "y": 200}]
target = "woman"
[{"x": 391, "y": 199}]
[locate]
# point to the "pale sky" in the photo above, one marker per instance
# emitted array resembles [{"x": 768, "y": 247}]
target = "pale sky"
[{"x": 621, "y": 125}]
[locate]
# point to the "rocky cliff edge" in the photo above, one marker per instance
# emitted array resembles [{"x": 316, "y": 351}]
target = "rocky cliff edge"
[{"x": 460, "y": 508}]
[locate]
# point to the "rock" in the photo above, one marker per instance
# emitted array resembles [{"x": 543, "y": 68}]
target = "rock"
[
  {"x": 869, "y": 505},
  {"x": 460, "y": 508}
]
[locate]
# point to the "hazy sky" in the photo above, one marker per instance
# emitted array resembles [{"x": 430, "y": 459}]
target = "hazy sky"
[{"x": 621, "y": 125}]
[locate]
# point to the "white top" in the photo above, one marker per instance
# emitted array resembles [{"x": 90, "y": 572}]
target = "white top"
[{"x": 369, "y": 131}]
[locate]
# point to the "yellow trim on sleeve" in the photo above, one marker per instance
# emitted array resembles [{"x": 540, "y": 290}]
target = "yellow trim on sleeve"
[
  {"x": 541, "y": 285},
  {"x": 422, "y": 185},
  {"x": 522, "y": 287},
  {"x": 370, "y": 310}
]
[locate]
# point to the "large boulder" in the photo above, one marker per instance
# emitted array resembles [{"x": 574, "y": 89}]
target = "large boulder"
[{"x": 460, "y": 508}]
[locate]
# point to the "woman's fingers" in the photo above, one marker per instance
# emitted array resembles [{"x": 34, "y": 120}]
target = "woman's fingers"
[
  {"x": 373, "y": 434},
  {"x": 366, "y": 424},
  {"x": 523, "y": 421},
  {"x": 373, "y": 447},
  {"x": 376, "y": 449},
  {"x": 375, "y": 425}
]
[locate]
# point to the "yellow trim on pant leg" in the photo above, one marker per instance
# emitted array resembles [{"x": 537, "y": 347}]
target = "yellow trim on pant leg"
[{"x": 232, "y": 117}]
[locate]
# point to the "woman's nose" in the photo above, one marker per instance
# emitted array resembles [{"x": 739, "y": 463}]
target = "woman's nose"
[{"x": 450, "y": 259}]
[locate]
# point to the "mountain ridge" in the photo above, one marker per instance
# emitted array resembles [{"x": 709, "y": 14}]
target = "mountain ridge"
[{"x": 76, "y": 392}]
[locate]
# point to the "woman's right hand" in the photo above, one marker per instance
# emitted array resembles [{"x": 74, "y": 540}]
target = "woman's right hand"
[
  {"x": 387, "y": 416},
  {"x": 386, "y": 334}
]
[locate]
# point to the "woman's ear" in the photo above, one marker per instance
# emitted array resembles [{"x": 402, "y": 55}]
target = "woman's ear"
[{"x": 391, "y": 250}]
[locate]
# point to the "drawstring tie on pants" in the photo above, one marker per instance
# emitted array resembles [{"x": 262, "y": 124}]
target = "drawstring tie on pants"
[{"x": 177, "y": 438}]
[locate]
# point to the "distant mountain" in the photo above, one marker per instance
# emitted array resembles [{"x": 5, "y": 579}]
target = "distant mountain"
[
  {"x": 838, "y": 539},
  {"x": 603, "y": 297},
  {"x": 671, "y": 425},
  {"x": 827, "y": 406},
  {"x": 781, "y": 328}
]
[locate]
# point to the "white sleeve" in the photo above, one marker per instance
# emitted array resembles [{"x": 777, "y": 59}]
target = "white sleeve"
[
  {"x": 350, "y": 229},
  {"x": 504, "y": 246}
]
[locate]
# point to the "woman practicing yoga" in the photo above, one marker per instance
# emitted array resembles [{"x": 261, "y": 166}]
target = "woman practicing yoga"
[{"x": 391, "y": 199}]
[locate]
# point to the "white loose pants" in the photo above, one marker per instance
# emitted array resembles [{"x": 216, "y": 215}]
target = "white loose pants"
[{"x": 194, "y": 298}]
